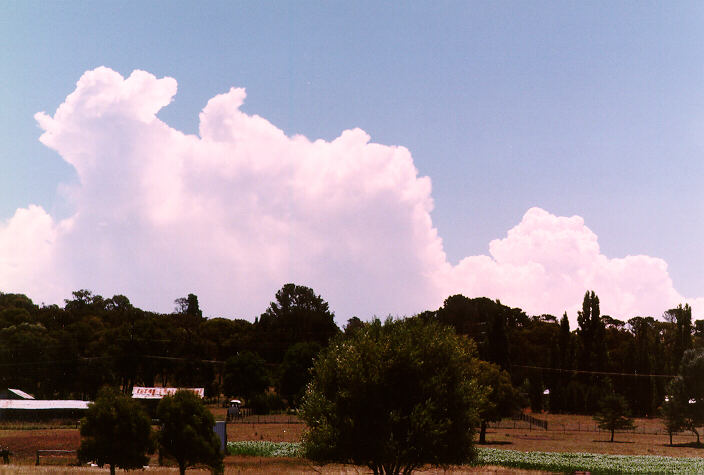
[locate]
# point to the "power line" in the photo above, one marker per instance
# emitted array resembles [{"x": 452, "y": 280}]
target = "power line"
[{"x": 600, "y": 373}]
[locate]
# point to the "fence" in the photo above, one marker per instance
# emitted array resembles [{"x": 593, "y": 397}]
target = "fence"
[
  {"x": 526, "y": 423},
  {"x": 267, "y": 419},
  {"x": 53, "y": 452},
  {"x": 521, "y": 421}
]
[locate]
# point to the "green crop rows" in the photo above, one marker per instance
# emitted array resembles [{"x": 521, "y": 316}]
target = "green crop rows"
[
  {"x": 262, "y": 448},
  {"x": 595, "y": 463},
  {"x": 548, "y": 461}
]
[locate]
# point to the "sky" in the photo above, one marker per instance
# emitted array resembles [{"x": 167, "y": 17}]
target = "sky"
[{"x": 386, "y": 154}]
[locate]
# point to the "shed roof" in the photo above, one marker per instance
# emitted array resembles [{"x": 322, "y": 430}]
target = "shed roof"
[{"x": 38, "y": 404}]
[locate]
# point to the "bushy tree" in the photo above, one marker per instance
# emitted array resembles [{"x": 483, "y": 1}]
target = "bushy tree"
[
  {"x": 502, "y": 399},
  {"x": 295, "y": 371},
  {"x": 116, "y": 431},
  {"x": 614, "y": 414},
  {"x": 186, "y": 433},
  {"x": 245, "y": 375},
  {"x": 393, "y": 397},
  {"x": 684, "y": 406},
  {"x": 297, "y": 315}
]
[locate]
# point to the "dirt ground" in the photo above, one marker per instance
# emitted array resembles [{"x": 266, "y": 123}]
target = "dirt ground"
[{"x": 568, "y": 433}]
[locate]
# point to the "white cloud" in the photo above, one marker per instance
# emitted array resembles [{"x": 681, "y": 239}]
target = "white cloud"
[
  {"x": 234, "y": 213},
  {"x": 546, "y": 263}
]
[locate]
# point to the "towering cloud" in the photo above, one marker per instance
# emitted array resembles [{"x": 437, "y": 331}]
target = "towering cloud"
[{"x": 237, "y": 211}]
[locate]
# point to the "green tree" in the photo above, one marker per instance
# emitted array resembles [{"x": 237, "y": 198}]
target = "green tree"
[
  {"x": 116, "y": 431},
  {"x": 613, "y": 414},
  {"x": 393, "y": 397},
  {"x": 502, "y": 399},
  {"x": 592, "y": 354},
  {"x": 245, "y": 375},
  {"x": 295, "y": 371},
  {"x": 682, "y": 318},
  {"x": 672, "y": 410},
  {"x": 297, "y": 315},
  {"x": 186, "y": 433},
  {"x": 684, "y": 407}
]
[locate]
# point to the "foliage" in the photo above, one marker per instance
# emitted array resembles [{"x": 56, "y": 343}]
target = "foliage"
[
  {"x": 70, "y": 351},
  {"x": 393, "y": 396},
  {"x": 502, "y": 399},
  {"x": 684, "y": 406},
  {"x": 585, "y": 462},
  {"x": 297, "y": 315},
  {"x": 245, "y": 375},
  {"x": 264, "y": 448},
  {"x": 186, "y": 432},
  {"x": 295, "y": 371},
  {"x": 613, "y": 414},
  {"x": 116, "y": 431},
  {"x": 266, "y": 403}
]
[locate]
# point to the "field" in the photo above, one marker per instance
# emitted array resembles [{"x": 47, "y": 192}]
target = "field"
[{"x": 569, "y": 434}]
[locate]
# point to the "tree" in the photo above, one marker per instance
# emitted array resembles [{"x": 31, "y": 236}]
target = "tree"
[
  {"x": 682, "y": 318},
  {"x": 613, "y": 414},
  {"x": 245, "y": 375},
  {"x": 297, "y": 315},
  {"x": 116, "y": 431},
  {"x": 189, "y": 306},
  {"x": 393, "y": 397},
  {"x": 672, "y": 412},
  {"x": 684, "y": 404},
  {"x": 592, "y": 354},
  {"x": 502, "y": 399},
  {"x": 186, "y": 433},
  {"x": 295, "y": 371}
]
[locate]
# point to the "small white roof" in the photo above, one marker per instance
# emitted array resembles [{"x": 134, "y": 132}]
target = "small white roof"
[
  {"x": 38, "y": 404},
  {"x": 21, "y": 393}
]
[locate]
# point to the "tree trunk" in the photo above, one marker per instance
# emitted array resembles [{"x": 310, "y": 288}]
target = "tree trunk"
[
  {"x": 670, "y": 438},
  {"x": 612, "y": 435},
  {"x": 482, "y": 433},
  {"x": 112, "y": 469},
  {"x": 182, "y": 469}
]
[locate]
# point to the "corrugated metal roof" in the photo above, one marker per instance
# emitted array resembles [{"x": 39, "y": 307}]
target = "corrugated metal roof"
[
  {"x": 21, "y": 393},
  {"x": 38, "y": 404}
]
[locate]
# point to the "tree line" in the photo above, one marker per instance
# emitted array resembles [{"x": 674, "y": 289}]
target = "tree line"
[{"x": 91, "y": 341}]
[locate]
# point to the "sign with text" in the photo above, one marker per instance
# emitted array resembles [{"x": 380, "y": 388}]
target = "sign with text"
[{"x": 139, "y": 392}]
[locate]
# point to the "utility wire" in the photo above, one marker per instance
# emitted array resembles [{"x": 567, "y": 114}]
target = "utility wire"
[{"x": 600, "y": 373}]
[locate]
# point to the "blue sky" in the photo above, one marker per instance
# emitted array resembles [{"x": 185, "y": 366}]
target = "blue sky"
[{"x": 593, "y": 109}]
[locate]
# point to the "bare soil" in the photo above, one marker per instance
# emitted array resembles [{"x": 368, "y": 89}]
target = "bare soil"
[{"x": 567, "y": 433}]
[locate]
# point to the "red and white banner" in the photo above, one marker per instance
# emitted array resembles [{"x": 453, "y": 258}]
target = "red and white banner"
[{"x": 139, "y": 392}]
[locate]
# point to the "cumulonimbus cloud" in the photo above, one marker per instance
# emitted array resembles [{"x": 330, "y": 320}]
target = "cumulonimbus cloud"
[{"x": 240, "y": 209}]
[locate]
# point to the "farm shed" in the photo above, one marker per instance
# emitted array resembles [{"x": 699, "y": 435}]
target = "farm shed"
[
  {"x": 36, "y": 409},
  {"x": 10, "y": 393}
]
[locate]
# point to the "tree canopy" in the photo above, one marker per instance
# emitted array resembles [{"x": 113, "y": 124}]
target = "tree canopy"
[
  {"x": 614, "y": 414},
  {"x": 186, "y": 433},
  {"x": 116, "y": 431},
  {"x": 393, "y": 396},
  {"x": 684, "y": 405},
  {"x": 502, "y": 399}
]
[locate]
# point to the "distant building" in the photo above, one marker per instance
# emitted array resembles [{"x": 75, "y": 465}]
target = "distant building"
[
  {"x": 14, "y": 394},
  {"x": 37, "y": 409}
]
